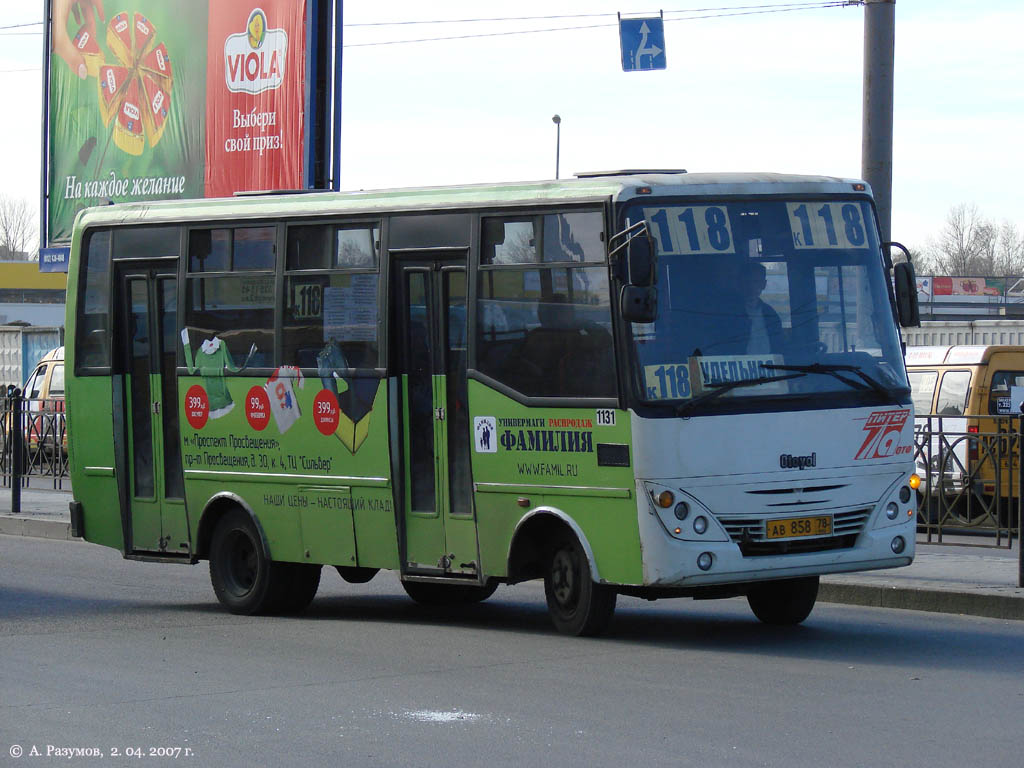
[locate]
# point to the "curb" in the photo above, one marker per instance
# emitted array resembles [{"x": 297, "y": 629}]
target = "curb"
[
  {"x": 40, "y": 529},
  {"x": 920, "y": 599}
]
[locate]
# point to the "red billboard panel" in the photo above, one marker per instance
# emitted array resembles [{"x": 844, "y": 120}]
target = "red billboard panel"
[{"x": 255, "y": 82}]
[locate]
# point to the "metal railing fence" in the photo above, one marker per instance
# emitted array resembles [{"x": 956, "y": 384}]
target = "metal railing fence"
[{"x": 33, "y": 443}]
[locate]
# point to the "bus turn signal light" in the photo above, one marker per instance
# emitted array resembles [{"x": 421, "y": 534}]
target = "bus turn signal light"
[
  {"x": 914, "y": 482},
  {"x": 666, "y": 499}
]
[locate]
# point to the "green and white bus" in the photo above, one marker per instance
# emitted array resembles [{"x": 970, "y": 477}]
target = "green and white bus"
[{"x": 655, "y": 384}]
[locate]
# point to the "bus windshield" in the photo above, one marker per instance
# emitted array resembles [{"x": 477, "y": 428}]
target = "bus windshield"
[{"x": 766, "y": 299}]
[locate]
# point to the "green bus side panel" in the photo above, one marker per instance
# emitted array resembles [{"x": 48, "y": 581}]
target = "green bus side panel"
[
  {"x": 376, "y": 535},
  {"x": 314, "y": 468},
  {"x": 91, "y": 455},
  {"x": 549, "y": 456}
]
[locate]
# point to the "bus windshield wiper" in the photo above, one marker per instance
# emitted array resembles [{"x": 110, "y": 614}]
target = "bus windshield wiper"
[
  {"x": 835, "y": 371},
  {"x": 720, "y": 389}
]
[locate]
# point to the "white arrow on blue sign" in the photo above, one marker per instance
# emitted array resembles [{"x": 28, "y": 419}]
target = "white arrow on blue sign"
[{"x": 643, "y": 44}]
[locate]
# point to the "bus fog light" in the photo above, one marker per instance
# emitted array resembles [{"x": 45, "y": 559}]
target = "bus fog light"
[
  {"x": 704, "y": 560},
  {"x": 892, "y": 510},
  {"x": 905, "y": 494},
  {"x": 700, "y": 524},
  {"x": 682, "y": 510},
  {"x": 898, "y": 544}
]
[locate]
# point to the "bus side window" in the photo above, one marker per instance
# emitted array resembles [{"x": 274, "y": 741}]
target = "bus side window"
[
  {"x": 922, "y": 390},
  {"x": 999, "y": 393},
  {"x": 93, "y": 325},
  {"x": 953, "y": 393},
  {"x": 330, "y": 298},
  {"x": 545, "y": 331},
  {"x": 229, "y": 297}
]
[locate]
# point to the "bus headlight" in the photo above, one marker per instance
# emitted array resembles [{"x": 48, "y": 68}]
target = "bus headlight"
[
  {"x": 682, "y": 516},
  {"x": 892, "y": 510}
]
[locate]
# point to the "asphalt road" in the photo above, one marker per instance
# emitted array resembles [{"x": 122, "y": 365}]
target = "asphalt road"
[{"x": 100, "y": 654}]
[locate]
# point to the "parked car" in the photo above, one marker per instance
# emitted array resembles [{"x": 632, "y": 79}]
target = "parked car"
[{"x": 45, "y": 427}]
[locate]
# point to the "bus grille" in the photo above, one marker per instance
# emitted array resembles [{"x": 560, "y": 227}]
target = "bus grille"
[{"x": 748, "y": 532}]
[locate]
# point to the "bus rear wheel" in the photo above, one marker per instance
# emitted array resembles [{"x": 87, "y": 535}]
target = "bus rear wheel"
[
  {"x": 426, "y": 593},
  {"x": 784, "y": 603},
  {"x": 245, "y": 580},
  {"x": 302, "y": 580},
  {"x": 576, "y": 603}
]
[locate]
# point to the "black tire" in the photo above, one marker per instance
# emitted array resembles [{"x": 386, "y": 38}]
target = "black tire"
[
  {"x": 784, "y": 603},
  {"x": 356, "y": 575},
  {"x": 245, "y": 580},
  {"x": 302, "y": 580},
  {"x": 426, "y": 593},
  {"x": 577, "y": 605}
]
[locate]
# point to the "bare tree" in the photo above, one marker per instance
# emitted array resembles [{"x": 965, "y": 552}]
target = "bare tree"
[
  {"x": 970, "y": 244},
  {"x": 17, "y": 228},
  {"x": 1008, "y": 250}
]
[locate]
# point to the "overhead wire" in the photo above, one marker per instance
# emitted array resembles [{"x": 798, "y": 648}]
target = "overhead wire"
[
  {"x": 799, "y": 5},
  {"x": 734, "y": 11}
]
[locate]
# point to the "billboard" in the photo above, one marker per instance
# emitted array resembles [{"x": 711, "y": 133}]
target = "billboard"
[{"x": 150, "y": 100}]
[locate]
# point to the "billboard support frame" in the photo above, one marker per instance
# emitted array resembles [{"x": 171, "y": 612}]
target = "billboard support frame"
[{"x": 44, "y": 181}]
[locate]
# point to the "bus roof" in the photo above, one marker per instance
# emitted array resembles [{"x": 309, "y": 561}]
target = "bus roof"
[
  {"x": 961, "y": 354},
  {"x": 588, "y": 188}
]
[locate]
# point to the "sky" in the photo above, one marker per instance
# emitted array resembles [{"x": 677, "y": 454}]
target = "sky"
[{"x": 756, "y": 92}]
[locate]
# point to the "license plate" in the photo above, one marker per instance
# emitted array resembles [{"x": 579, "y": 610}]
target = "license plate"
[{"x": 794, "y": 527}]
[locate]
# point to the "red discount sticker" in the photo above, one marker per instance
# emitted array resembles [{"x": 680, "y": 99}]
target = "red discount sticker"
[
  {"x": 257, "y": 408},
  {"x": 325, "y": 412},
  {"x": 197, "y": 407}
]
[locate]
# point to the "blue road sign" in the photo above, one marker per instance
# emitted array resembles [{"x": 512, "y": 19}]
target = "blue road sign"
[
  {"x": 54, "y": 259},
  {"x": 643, "y": 44}
]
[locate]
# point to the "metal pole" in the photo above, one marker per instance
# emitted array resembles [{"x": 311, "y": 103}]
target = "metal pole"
[
  {"x": 1020, "y": 498},
  {"x": 17, "y": 450},
  {"x": 44, "y": 233},
  {"x": 876, "y": 135},
  {"x": 339, "y": 13},
  {"x": 557, "y": 120}
]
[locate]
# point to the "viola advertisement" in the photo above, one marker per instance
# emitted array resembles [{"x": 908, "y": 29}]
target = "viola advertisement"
[{"x": 150, "y": 100}]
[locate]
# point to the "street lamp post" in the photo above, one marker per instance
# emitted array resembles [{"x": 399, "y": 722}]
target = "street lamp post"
[{"x": 558, "y": 140}]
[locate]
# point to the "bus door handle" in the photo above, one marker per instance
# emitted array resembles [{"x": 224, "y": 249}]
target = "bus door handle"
[
  {"x": 439, "y": 414},
  {"x": 156, "y": 407}
]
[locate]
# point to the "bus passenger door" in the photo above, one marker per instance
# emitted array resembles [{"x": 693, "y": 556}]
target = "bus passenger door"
[
  {"x": 429, "y": 353},
  {"x": 150, "y": 467}
]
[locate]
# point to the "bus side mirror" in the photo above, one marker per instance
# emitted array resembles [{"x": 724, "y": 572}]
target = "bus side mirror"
[
  {"x": 640, "y": 261},
  {"x": 906, "y": 294},
  {"x": 639, "y": 304}
]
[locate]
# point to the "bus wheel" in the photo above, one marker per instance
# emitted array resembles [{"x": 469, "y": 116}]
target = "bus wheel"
[
  {"x": 244, "y": 579},
  {"x": 577, "y": 605},
  {"x": 784, "y": 603},
  {"x": 426, "y": 593},
  {"x": 302, "y": 580}
]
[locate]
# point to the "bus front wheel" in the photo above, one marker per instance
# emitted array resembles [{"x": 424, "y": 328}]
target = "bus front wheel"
[
  {"x": 245, "y": 580},
  {"x": 576, "y": 603},
  {"x": 784, "y": 603}
]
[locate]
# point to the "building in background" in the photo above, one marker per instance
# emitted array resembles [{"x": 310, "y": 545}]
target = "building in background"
[{"x": 30, "y": 296}]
